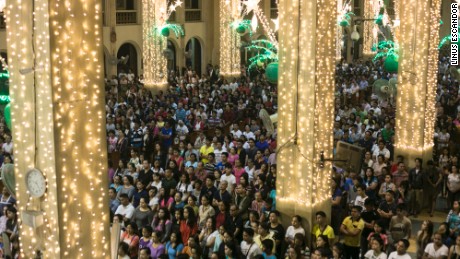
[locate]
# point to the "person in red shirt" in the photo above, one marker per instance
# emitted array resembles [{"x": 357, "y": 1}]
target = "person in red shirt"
[{"x": 188, "y": 226}]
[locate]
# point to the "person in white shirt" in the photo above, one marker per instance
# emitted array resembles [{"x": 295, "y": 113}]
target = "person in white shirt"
[
  {"x": 181, "y": 130},
  {"x": 401, "y": 250},
  {"x": 249, "y": 248},
  {"x": 436, "y": 249},
  {"x": 376, "y": 249},
  {"x": 361, "y": 197},
  {"x": 228, "y": 177},
  {"x": 235, "y": 131},
  {"x": 126, "y": 209},
  {"x": 248, "y": 133},
  {"x": 381, "y": 149},
  {"x": 294, "y": 229}
]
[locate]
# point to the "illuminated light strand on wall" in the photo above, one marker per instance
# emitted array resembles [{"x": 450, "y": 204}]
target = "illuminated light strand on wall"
[
  {"x": 417, "y": 80},
  {"x": 371, "y": 10},
  {"x": 433, "y": 55},
  {"x": 154, "y": 16},
  {"x": 19, "y": 28},
  {"x": 229, "y": 60},
  {"x": 339, "y": 34},
  {"x": 78, "y": 99},
  {"x": 266, "y": 25},
  {"x": 307, "y": 66}
]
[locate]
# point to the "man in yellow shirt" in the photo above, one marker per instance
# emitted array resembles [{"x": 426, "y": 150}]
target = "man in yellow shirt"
[
  {"x": 205, "y": 150},
  {"x": 351, "y": 228},
  {"x": 264, "y": 233},
  {"x": 322, "y": 228}
]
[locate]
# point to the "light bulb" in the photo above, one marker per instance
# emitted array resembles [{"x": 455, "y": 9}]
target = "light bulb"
[{"x": 355, "y": 34}]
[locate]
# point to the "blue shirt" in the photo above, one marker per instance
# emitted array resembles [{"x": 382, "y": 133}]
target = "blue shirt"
[
  {"x": 167, "y": 142},
  {"x": 268, "y": 256},
  {"x": 173, "y": 251}
]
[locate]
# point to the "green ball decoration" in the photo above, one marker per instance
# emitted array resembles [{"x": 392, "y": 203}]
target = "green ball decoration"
[
  {"x": 241, "y": 29},
  {"x": 7, "y": 113},
  {"x": 344, "y": 23},
  {"x": 165, "y": 31},
  {"x": 271, "y": 72},
  {"x": 391, "y": 64},
  {"x": 379, "y": 21}
]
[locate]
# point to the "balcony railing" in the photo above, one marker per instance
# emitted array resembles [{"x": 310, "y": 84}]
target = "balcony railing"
[
  {"x": 273, "y": 13},
  {"x": 127, "y": 17},
  {"x": 2, "y": 22},
  {"x": 193, "y": 15}
]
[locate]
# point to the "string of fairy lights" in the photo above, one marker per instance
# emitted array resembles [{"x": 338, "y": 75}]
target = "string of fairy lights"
[
  {"x": 417, "y": 78},
  {"x": 306, "y": 90},
  {"x": 229, "y": 40},
  {"x": 21, "y": 33},
  {"x": 155, "y": 15}
]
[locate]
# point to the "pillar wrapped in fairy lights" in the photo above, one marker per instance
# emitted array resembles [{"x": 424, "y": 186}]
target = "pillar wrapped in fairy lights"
[
  {"x": 154, "y": 61},
  {"x": 418, "y": 66},
  {"x": 229, "y": 42},
  {"x": 307, "y": 53},
  {"x": 371, "y": 10},
  {"x": 55, "y": 60}
]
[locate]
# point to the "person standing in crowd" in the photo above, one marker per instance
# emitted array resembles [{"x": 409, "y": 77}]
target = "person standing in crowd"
[{"x": 352, "y": 227}]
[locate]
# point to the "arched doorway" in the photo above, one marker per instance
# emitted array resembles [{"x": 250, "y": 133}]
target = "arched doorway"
[
  {"x": 170, "y": 54},
  {"x": 124, "y": 51},
  {"x": 193, "y": 55}
]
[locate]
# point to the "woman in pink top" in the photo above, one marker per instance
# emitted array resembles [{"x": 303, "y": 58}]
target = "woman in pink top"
[
  {"x": 238, "y": 170},
  {"x": 233, "y": 156}
]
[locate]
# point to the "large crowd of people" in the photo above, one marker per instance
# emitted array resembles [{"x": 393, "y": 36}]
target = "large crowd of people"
[{"x": 193, "y": 172}]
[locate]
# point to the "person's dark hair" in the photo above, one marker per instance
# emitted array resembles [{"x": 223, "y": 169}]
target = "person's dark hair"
[
  {"x": 268, "y": 244},
  {"x": 326, "y": 240},
  {"x": 130, "y": 179},
  {"x": 178, "y": 237},
  {"x": 377, "y": 238},
  {"x": 191, "y": 221},
  {"x": 124, "y": 195},
  {"x": 255, "y": 214},
  {"x": 249, "y": 231},
  {"x": 265, "y": 226},
  {"x": 148, "y": 229},
  {"x": 357, "y": 207},
  {"x": 321, "y": 213},
  {"x": 401, "y": 207},
  {"x": 146, "y": 249},
  {"x": 405, "y": 241},
  {"x": 211, "y": 177},
  {"x": 113, "y": 189},
  {"x": 391, "y": 192},
  {"x": 369, "y": 202},
  {"x": 299, "y": 218},
  {"x": 301, "y": 237},
  {"x": 277, "y": 213},
  {"x": 124, "y": 247},
  {"x": 231, "y": 245},
  {"x": 339, "y": 247}
]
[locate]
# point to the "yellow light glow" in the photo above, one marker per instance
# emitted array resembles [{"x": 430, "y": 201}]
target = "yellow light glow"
[
  {"x": 307, "y": 54},
  {"x": 371, "y": 10},
  {"x": 418, "y": 64},
  {"x": 154, "y": 15},
  {"x": 59, "y": 97},
  {"x": 229, "y": 61}
]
